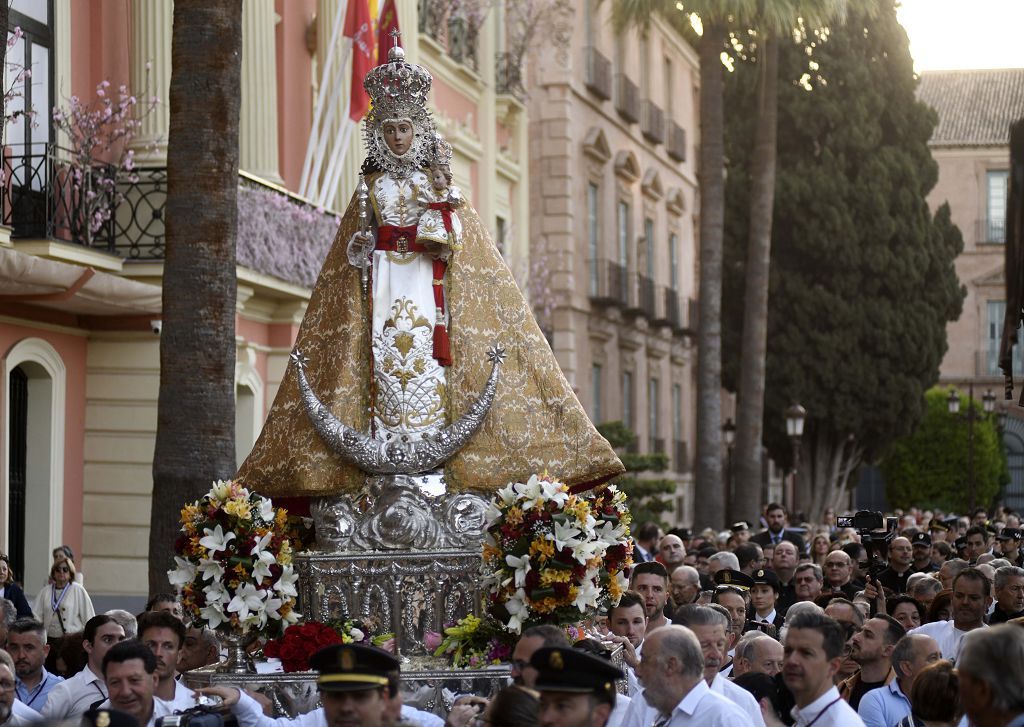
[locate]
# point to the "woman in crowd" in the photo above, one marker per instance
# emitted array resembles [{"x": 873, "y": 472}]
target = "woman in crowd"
[
  {"x": 820, "y": 548},
  {"x": 62, "y": 605},
  {"x": 11, "y": 590},
  {"x": 942, "y": 607},
  {"x": 906, "y": 610},
  {"x": 934, "y": 697}
]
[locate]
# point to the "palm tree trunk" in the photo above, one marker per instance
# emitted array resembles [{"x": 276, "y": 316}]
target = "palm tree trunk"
[
  {"x": 750, "y": 399},
  {"x": 195, "y": 438},
  {"x": 709, "y": 494}
]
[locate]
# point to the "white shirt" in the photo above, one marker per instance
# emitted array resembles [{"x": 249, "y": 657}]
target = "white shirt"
[
  {"x": 946, "y": 635},
  {"x": 25, "y": 712},
  {"x": 769, "y": 619},
  {"x": 73, "y": 696},
  {"x": 160, "y": 709},
  {"x": 250, "y": 714},
  {"x": 702, "y": 706},
  {"x": 740, "y": 697},
  {"x": 622, "y": 703},
  {"x": 828, "y": 710},
  {"x": 183, "y": 698}
]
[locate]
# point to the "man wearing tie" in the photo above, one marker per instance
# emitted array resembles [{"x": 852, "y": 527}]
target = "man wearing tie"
[{"x": 775, "y": 516}]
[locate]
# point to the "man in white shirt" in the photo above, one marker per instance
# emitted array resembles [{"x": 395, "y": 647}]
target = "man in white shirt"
[
  {"x": 129, "y": 670},
  {"x": 650, "y": 580},
  {"x": 813, "y": 651},
  {"x": 164, "y": 634},
  {"x": 972, "y": 596},
  {"x": 577, "y": 689},
  {"x": 711, "y": 626},
  {"x": 74, "y": 696},
  {"x": 672, "y": 670}
]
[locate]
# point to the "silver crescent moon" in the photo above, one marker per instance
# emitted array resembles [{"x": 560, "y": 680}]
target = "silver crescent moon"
[{"x": 396, "y": 455}]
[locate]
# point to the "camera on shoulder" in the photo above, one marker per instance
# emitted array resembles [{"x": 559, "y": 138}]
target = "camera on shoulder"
[{"x": 200, "y": 716}]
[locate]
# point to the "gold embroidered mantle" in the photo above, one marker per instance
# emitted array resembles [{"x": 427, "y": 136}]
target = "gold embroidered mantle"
[{"x": 536, "y": 422}]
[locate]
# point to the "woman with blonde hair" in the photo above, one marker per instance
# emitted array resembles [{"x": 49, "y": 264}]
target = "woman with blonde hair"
[
  {"x": 821, "y": 546},
  {"x": 63, "y": 605}
]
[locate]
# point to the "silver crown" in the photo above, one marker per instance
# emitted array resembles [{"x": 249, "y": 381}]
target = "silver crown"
[{"x": 397, "y": 89}]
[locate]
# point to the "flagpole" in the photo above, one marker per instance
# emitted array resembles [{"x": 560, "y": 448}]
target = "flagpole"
[
  {"x": 333, "y": 175},
  {"x": 320, "y": 92},
  {"x": 332, "y": 113}
]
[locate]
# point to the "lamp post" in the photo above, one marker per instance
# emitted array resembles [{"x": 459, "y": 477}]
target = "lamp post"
[
  {"x": 729, "y": 435},
  {"x": 988, "y": 403},
  {"x": 795, "y": 416}
]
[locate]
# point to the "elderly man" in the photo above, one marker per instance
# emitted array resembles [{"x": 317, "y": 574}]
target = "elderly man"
[
  {"x": 991, "y": 671},
  {"x": 872, "y": 648},
  {"x": 950, "y": 570},
  {"x": 685, "y": 585},
  {"x": 650, "y": 580},
  {"x": 577, "y": 689},
  {"x": 7, "y": 716},
  {"x": 972, "y": 596},
  {"x": 901, "y": 559},
  {"x": 73, "y": 697},
  {"x": 26, "y": 643},
  {"x": 671, "y": 552},
  {"x": 129, "y": 670},
  {"x": 672, "y": 670},
  {"x": 532, "y": 639},
  {"x": 711, "y": 627},
  {"x": 885, "y": 706},
  {"x": 758, "y": 653},
  {"x": 807, "y": 581},
  {"x": 1009, "y": 593},
  {"x": 722, "y": 560},
  {"x": 813, "y": 650},
  {"x": 838, "y": 573},
  {"x": 925, "y": 590},
  {"x": 8, "y": 615},
  {"x": 201, "y": 649},
  {"x": 784, "y": 562}
]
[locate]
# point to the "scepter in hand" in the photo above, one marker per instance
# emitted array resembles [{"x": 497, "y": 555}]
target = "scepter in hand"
[{"x": 363, "y": 195}]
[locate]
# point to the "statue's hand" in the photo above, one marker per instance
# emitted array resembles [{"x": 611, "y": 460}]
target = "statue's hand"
[{"x": 360, "y": 247}]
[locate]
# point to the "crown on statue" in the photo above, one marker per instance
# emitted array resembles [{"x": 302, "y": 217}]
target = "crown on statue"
[{"x": 397, "y": 89}]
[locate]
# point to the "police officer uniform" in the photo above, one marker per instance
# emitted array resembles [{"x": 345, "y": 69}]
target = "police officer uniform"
[
  {"x": 923, "y": 540},
  {"x": 572, "y": 671},
  {"x": 1014, "y": 534}
]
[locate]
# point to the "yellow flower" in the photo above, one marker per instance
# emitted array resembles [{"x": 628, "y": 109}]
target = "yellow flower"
[
  {"x": 543, "y": 548},
  {"x": 189, "y": 514},
  {"x": 284, "y": 557},
  {"x": 492, "y": 553},
  {"x": 614, "y": 592},
  {"x": 514, "y": 516},
  {"x": 238, "y": 508},
  {"x": 554, "y": 575}
]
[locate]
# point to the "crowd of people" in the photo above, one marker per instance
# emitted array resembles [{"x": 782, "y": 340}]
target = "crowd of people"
[{"x": 918, "y": 622}]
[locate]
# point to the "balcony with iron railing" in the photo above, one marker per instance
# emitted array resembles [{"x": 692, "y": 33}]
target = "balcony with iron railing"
[
  {"x": 509, "y": 75},
  {"x": 599, "y": 73},
  {"x": 652, "y": 122},
  {"x": 452, "y": 29},
  {"x": 990, "y": 231},
  {"x": 656, "y": 445},
  {"x": 47, "y": 196},
  {"x": 609, "y": 283},
  {"x": 681, "y": 458},
  {"x": 627, "y": 98},
  {"x": 668, "y": 311},
  {"x": 676, "y": 146},
  {"x": 645, "y": 296}
]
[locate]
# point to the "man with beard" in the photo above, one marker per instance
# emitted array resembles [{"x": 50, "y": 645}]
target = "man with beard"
[
  {"x": 977, "y": 543},
  {"x": 887, "y": 705},
  {"x": 650, "y": 580},
  {"x": 972, "y": 597},
  {"x": 129, "y": 670},
  {"x": 685, "y": 585},
  {"x": 671, "y": 552},
  {"x": 872, "y": 648},
  {"x": 164, "y": 634},
  {"x": 26, "y": 643},
  {"x": 1009, "y": 592},
  {"x": 813, "y": 649},
  {"x": 7, "y": 716},
  {"x": 73, "y": 697},
  {"x": 577, "y": 689},
  {"x": 775, "y": 517},
  {"x": 675, "y": 691},
  {"x": 711, "y": 627},
  {"x": 922, "y": 558}
]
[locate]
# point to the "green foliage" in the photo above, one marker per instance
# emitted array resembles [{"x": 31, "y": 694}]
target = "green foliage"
[
  {"x": 930, "y": 468},
  {"x": 862, "y": 278},
  {"x": 649, "y": 498}
]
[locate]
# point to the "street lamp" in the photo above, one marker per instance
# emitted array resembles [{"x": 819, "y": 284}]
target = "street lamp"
[
  {"x": 988, "y": 404},
  {"x": 729, "y": 435},
  {"x": 795, "y": 416}
]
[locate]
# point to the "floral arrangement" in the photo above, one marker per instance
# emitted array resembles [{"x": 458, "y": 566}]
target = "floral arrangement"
[
  {"x": 301, "y": 641},
  {"x": 234, "y": 562},
  {"x": 553, "y": 556},
  {"x": 474, "y": 642}
]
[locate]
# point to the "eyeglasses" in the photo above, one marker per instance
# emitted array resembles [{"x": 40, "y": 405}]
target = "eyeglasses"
[{"x": 62, "y": 569}]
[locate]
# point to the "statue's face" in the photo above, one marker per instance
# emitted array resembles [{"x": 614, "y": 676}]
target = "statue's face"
[{"x": 398, "y": 135}]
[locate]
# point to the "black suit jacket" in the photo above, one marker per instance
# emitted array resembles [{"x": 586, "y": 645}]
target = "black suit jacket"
[
  {"x": 764, "y": 538},
  {"x": 14, "y": 594}
]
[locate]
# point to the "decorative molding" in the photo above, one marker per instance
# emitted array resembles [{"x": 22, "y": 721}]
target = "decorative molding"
[
  {"x": 70, "y": 253},
  {"x": 595, "y": 145},
  {"x": 675, "y": 201},
  {"x": 627, "y": 167},
  {"x": 651, "y": 186}
]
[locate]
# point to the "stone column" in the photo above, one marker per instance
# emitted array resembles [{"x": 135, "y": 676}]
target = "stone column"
[
  {"x": 257, "y": 133},
  {"x": 151, "y": 75}
]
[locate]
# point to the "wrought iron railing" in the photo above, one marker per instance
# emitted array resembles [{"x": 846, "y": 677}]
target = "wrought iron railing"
[
  {"x": 991, "y": 231},
  {"x": 509, "y": 75},
  {"x": 599, "y": 73},
  {"x": 668, "y": 314},
  {"x": 681, "y": 460},
  {"x": 609, "y": 283},
  {"x": 46, "y": 195},
  {"x": 652, "y": 122},
  {"x": 627, "y": 98},
  {"x": 645, "y": 291}
]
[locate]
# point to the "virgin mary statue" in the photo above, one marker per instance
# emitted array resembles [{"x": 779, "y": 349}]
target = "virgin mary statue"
[{"x": 405, "y": 353}]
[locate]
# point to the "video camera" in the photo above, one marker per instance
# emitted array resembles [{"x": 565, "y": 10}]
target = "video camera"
[
  {"x": 199, "y": 716},
  {"x": 876, "y": 532}
]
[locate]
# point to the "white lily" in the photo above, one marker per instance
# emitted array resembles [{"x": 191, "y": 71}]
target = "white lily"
[
  {"x": 183, "y": 574},
  {"x": 586, "y": 550},
  {"x": 285, "y": 585},
  {"x": 563, "y": 535},
  {"x": 221, "y": 490},
  {"x": 586, "y": 596},
  {"x": 610, "y": 533},
  {"x": 216, "y": 540},
  {"x": 266, "y": 510},
  {"x": 263, "y": 558},
  {"x": 521, "y": 567},
  {"x": 492, "y": 513},
  {"x": 216, "y": 593},
  {"x": 290, "y": 618},
  {"x": 554, "y": 491},
  {"x": 211, "y": 569},
  {"x": 529, "y": 492},
  {"x": 518, "y": 611},
  {"x": 356, "y": 634},
  {"x": 213, "y": 615},
  {"x": 246, "y": 600},
  {"x": 507, "y": 494},
  {"x": 269, "y": 611}
]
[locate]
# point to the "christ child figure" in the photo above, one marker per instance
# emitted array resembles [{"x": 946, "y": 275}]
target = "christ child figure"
[{"x": 439, "y": 228}]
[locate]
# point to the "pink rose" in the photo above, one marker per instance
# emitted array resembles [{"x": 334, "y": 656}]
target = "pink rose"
[{"x": 432, "y": 640}]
